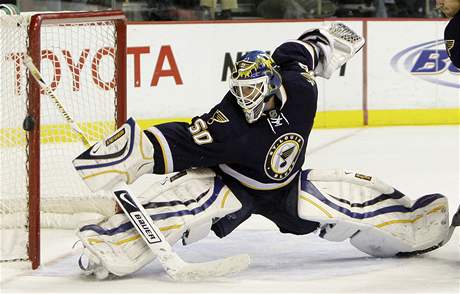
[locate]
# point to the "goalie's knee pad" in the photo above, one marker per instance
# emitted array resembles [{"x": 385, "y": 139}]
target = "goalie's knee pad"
[
  {"x": 123, "y": 156},
  {"x": 196, "y": 197},
  {"x": 183, "y": 207},
  {"x": 378, "y": 219}
]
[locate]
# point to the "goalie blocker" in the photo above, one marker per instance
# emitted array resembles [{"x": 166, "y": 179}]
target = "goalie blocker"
[{"x": 122, "y": 157}]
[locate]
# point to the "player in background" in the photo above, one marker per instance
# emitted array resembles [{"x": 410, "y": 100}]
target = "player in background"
[
  {"x": 244, "y": 157},
  {"x": 451, "y": 9}
]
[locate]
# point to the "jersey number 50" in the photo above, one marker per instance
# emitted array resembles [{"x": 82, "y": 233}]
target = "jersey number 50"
[{"x": 200, "y": 133}]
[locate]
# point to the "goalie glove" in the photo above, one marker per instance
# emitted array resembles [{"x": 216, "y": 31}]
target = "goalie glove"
[
  {"x": 123, "y": 156},
  {"x": 336, "y": 43}
]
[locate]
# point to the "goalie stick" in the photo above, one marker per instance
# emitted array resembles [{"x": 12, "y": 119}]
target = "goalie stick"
[
  {"x": 50, "y": 93},
  {"x": 176, "y": 267},
  {"x": 172, "y": 263}
]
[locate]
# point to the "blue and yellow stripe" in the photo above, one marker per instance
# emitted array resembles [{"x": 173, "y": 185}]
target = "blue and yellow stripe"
[
  {"x": 310, "y": 189},
  {"x": 218, "y": 186}
]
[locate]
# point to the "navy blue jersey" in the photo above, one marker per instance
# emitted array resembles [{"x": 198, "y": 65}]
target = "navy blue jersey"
[
  {"x": 452, "y": 39},
  {"x": 265, "y": 155}
]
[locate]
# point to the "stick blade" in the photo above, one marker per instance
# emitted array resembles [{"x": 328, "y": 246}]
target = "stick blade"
[{"x": 210, "y": 269}]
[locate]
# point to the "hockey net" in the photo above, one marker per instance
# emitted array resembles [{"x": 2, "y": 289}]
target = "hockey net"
[{"x": 82, "y": 56}]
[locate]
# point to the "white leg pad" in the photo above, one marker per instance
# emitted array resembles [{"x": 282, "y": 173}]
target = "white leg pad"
[
  {"x": 427, "y": 227},
  {"x": 117, "y": 253},
  {"x": 183, "y": 207},
  {"x": 378, "y": 219}
]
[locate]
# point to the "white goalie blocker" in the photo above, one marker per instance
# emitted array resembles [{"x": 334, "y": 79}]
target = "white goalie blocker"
[
  {"x": 336, "y": 43},
  {"x": 122, "y": 157},
  {"x": 378, "y": 219}
]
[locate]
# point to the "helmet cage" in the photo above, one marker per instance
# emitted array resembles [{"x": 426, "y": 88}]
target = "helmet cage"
[
  {"x": 250, "y": 95},
  {"x": 254, "y": 79},
  {"x": 249, "y": 92}
]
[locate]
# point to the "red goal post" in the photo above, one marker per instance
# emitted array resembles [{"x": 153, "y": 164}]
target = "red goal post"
[{"x": 82, "y": 55}]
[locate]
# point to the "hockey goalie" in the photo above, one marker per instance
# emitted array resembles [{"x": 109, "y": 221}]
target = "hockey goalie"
[{"x": 244, "y": 157}]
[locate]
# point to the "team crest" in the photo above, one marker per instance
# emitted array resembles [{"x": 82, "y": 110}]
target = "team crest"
[
  {"x": 307, "y": 74},
  {"x": 309, "y": 77},
  {"x": 283, "y": 155},
  {"x": 218, "y": 117}
]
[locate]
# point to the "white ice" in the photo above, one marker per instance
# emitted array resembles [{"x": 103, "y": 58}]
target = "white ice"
[{"x": 416, "y": 160}]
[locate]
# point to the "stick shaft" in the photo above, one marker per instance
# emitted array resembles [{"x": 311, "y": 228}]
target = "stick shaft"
[{"x": 50, "y": 93}]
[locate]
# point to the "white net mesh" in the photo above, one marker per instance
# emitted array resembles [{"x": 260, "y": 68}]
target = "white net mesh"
[
  {"x": 78, "y": 63},
  {"x": 13, "y": 156}
]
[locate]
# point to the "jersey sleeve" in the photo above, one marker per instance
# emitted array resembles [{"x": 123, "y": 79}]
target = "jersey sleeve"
[
  {"x": 180, "y": 145},
  {"x": 296, "y": 60},
  {"x": 452, "y": 39},
  {"x": 289, "y": 54}
]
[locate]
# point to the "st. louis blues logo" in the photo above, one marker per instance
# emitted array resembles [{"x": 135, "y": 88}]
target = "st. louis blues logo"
[
  {"x": 283, "y": 155},
  {"x": 218, "y": 117}
]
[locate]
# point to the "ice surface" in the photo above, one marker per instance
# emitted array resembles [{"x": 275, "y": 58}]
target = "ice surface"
[{"x": 416, "y": 160}]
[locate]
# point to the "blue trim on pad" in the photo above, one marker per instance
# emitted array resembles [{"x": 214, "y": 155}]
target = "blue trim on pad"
[
  {"x": 218, "y": 185},
  {"x": 307, "y": 186},
  {"x": 132, "y": 126}
]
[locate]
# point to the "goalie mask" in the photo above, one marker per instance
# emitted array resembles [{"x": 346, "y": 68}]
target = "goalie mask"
[{"x": 253, "y": 82}]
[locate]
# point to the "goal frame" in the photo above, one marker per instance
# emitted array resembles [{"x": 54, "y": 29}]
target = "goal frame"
[{"x": 33, "y": 107}]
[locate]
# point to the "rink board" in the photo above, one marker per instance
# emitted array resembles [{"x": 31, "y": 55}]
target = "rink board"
[{"x": 179, "y": 70}]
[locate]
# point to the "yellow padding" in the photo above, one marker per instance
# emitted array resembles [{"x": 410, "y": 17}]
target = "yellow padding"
[
  {"x": 355, "y": 118},
  {"x": 222, "y": 204},
  {"x": 116, "y": 171},
  {"x": 172, "y": 227},
  {"x": 62, "y": 133},
  {"x": 133, "y": 238},
  {"x": 57, "y": 133},
  {"x": 414, "y": 117},
  {"x": 339, "y": 119},
  {"x": 11, "y": 137},
  {"x": 399, "y": 221},
  {"x": 146, "y": 123}
]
